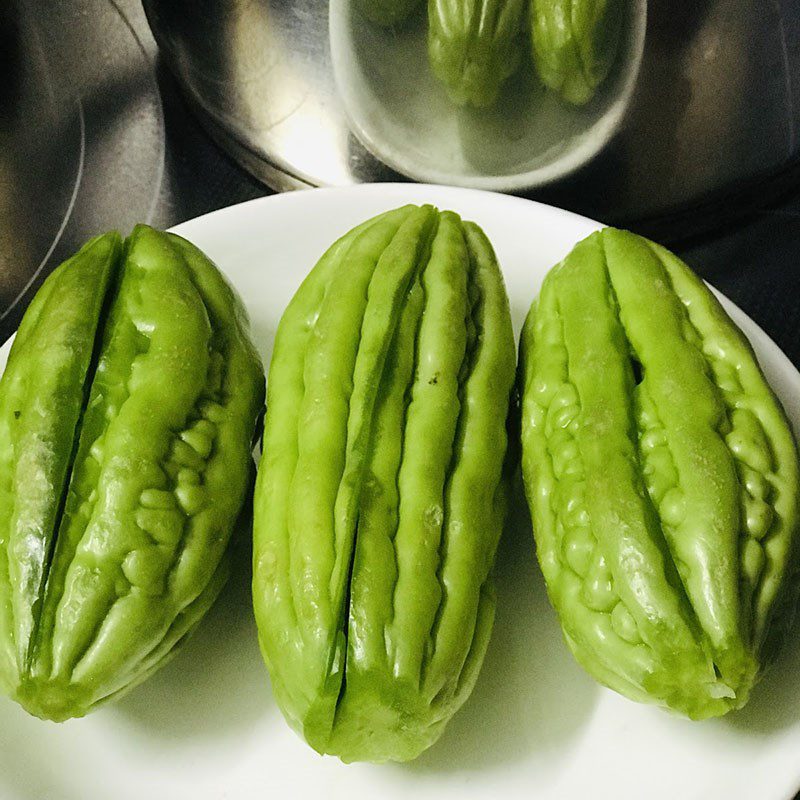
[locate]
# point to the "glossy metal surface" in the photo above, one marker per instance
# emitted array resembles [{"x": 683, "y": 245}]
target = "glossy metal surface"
[
  {"x": 716, "y": 110},
  {"x": 81, "y": 136},
  {"x": 259, "y": 72}
]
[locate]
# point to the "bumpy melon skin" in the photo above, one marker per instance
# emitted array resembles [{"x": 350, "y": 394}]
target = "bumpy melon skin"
[
  {"x": 662, "y": 477},
  {"x": 127, "y": 412},
  {"x": 382, "y": 487}
]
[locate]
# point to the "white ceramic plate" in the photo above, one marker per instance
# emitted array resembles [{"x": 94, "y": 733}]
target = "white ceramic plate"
[{"x": 206, "y": 727}]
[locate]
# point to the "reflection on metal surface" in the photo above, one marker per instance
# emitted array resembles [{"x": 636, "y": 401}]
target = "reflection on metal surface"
[
  {"x": 41, "y": 144},
  {"x": 81, "y": 136},
  {"x": 259, "y": 70},
  {"x": 716, "y": 107},
  {"x": 10, "y": 304},
  {"x": 529, "y": 136}
]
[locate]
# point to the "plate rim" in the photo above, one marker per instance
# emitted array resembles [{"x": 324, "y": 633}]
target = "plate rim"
[{"x": 185, "y": 228}]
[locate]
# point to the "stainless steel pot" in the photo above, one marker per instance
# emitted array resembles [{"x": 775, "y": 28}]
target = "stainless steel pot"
[{"x": 714, "y": 120}]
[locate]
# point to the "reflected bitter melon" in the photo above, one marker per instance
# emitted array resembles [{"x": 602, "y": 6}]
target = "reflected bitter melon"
[
  {"x": 575, "y": 44},
  {"x": 474, "y": 46},
  {"x": 388, "y": 13}
]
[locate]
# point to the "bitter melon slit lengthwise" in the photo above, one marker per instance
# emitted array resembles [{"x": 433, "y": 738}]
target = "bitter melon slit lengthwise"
[
  {"x": 576, "y": 42},
  {"x": 381, "y": 491},
  {"x": 662, "y": 477},
  {"x": 127, "y": 411}
]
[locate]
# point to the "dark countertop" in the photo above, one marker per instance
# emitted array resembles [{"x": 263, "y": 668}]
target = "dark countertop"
[{"x": 756, "y": 263}]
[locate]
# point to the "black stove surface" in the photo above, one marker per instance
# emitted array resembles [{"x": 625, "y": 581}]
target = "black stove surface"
[{"x": 82, "y": 143}]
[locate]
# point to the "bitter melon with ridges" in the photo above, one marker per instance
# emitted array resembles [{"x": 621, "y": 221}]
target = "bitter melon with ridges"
[
  {"x": 381, "y": 492},
  {"x": 662, "y": 477},
  {"x": 127, "y": 411}
]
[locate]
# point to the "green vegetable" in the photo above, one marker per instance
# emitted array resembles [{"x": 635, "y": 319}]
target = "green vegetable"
[
  {"x": 575, "y": 44},
  {"x": 474, "y": 45},
  {"x": 388, "y": 12},
  {"x": 662, "y": 478},
  {"x": 127, "y": 410},
  {"x": 380, "y": 494}
]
